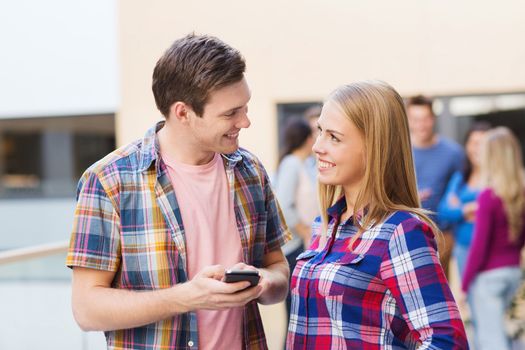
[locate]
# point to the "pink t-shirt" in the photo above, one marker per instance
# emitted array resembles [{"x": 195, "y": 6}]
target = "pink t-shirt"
[{"x": 212, "y": 238}]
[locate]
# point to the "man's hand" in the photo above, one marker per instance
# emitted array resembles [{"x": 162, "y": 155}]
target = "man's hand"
[
  {"x": 206, "y": 291},
  {"x": 274, "y": 277},
  {"x": 263, "y": 282},
  {"x": 469, "y": 211},
  {"x": 453, "y": 201}
]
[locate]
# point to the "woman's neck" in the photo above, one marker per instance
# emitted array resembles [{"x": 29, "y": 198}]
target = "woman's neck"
[
  {"x": 350, "y": 197},
  {"x": 474, "y": 177}
]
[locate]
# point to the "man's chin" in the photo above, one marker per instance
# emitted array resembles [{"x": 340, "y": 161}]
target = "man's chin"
[
  {"x": 229, "y": 149},
  {"x": 424, "y": 138}
]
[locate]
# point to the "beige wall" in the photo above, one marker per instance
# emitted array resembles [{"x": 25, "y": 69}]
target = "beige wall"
[{"x": 298, "y": 51}]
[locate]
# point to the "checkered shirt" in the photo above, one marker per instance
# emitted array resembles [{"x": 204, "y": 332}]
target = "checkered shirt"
[
  {"x": 390, "y": 292},
  {"x": 127, "y": 220}
]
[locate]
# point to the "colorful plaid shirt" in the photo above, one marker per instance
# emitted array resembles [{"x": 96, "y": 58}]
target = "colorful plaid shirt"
[
  {"x": 127, "y": 221},
  {"x": 390, "y": 292}
]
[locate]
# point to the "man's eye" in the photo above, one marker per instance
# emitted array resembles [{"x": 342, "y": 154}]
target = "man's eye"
[{"x": 231, "y": 113}]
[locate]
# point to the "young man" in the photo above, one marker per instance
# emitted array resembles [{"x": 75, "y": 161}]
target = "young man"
[
  {"x": 158, "y": 221},
  {"x": 436, "y": 158}
]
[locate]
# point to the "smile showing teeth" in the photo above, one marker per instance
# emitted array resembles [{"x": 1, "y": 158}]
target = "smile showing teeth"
[
  {"x": 232, "y": 136},
  {"x": 325, "y": 165}
]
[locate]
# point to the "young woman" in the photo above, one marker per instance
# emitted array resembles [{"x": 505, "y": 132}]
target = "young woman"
[
  {"x": 492, "y": 273},
  {"x": 371, "y": 278},
  {"x": 458, "y": 206}
]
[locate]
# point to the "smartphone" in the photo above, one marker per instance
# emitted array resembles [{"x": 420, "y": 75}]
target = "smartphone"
[{"x": 242, "y": 275}]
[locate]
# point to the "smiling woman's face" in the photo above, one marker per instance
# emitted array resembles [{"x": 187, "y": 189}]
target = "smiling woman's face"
[
  {"x": 340, "y": 149},
  {"x": 472, "y": 147}
]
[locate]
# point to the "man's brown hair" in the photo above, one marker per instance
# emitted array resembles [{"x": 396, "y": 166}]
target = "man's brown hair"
[
  {"x": 192, "y": 68},
  {"x": 420, "y": 100}
]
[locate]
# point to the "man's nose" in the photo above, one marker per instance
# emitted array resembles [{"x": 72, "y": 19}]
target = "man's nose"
[{"x": 244, "y": 122}]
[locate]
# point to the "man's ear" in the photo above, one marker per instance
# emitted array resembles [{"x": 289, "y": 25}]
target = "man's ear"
[{"x": 180, "y": 111}]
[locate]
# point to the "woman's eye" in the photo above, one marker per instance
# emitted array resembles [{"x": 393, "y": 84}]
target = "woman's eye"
[{"x": 333, "y": 138}]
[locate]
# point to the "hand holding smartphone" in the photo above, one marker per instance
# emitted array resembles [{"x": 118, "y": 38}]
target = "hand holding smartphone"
[{"x": 251, "y": 276}]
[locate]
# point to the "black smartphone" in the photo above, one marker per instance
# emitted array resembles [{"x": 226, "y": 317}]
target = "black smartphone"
[{"x": 242, "y": 275}]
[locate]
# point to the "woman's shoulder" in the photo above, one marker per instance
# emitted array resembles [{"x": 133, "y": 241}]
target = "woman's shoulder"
[
  {"x": 291, "y": 158},
  {"x": 408, "y": 232},
  {"x": 400, "y": 216},
  {"x": 406, "y": 221},
  {"x": 487, "y": 195},
  {"x": 489, "y": 199},
  {"x": 290, "y": 164},
  {"x": 396, "y": 224},
  {"x": 289, "y": 161}
]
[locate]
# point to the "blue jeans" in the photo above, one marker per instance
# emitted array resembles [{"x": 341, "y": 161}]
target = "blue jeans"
[
  {"x": 489, "y": 296},
  {"x": 461, "y": 254}
]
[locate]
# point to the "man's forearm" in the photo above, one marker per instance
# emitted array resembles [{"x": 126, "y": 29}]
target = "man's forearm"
[
  {"x": 98, "y": 306},
  {"x": 105, "y": 309},
  {"x": 277, "y": 275}
]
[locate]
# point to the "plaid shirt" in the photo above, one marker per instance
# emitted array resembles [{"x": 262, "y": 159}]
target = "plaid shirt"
[
  {"x": 128, "y": 221},
  {"x": 389, "y": 293}
]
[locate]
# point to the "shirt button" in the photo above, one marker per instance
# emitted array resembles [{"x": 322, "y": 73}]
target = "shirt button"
[{"x": 190, "y": 343}]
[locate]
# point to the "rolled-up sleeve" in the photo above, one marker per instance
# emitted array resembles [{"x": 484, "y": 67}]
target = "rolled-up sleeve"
[{"x": 95, "y": 237}]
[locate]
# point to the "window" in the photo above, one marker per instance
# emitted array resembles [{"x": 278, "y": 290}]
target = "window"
[
  {"x": 21, "y": 164},
  {"x": 44, "y": 157}
]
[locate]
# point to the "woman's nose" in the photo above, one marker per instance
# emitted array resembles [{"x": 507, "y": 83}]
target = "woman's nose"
[{"x": 317, "y": 147}]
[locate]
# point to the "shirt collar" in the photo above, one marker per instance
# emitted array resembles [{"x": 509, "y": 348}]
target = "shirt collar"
[
  {"x": 232, "y": 159},
  {"x": 150, "y": 151},
  {"x": 338, "y": 208}
]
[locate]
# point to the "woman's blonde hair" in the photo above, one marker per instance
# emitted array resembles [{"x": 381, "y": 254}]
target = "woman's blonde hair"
[
  {"x": 389, "y": 182},
  {"x": 501, "y": 169}
]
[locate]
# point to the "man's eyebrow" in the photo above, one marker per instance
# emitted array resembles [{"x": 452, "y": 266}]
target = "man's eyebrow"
[
  {"x": 235, "y": 108},
  {"x": 231, "y": 109}
]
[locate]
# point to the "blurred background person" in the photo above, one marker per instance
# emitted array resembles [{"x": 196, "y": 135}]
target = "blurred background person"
[
  {"x": 458, "y": 205},
  {"x": 436, "y": 159},
  {"x": 311, "y": 115},
  {"x": 492, "y": 272},
  {"x": 296, "y": 189}
]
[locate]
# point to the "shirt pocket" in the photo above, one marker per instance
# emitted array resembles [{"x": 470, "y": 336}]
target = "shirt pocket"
[
  {"x": 150, "y": 260},
  {"x": 336, "y": 277}
]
